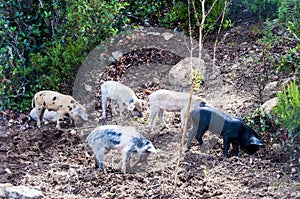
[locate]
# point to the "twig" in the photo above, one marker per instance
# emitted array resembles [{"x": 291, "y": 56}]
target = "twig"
[{"x": 219, "y": 30}]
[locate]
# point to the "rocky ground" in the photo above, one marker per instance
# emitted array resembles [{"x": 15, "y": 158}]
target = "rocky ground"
[{"x": 54, "y": 162}]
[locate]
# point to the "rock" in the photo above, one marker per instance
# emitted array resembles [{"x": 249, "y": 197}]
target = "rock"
[
  {"x": 287, "y": 81},
  {"x": 276, "y": 147},
  {"x": 180, "y": 73},
  {"x": 117, "y": 55},
  {"x": 268, "y": 105},
  {"x": 272, "y": 86},
  {"x": 167, "y": 36},
  {"x": 7, "y": 170},
  {"x": 153, "y": 33},
  {"x": 22, "y": 192},
  {"x": 3, "y": 186}
]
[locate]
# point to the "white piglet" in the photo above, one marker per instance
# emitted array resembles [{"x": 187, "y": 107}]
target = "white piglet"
[
  {"x": 172, "y": 101},
  {"x": 48, "y": 117},
  {"x": 122, "y": 94}
]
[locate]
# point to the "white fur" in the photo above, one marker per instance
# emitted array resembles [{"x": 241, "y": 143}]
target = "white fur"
[
  {"x": 172, "y": 101},
  {"x": 48, "y": 117},
  {"x": 122, "y": 94}
]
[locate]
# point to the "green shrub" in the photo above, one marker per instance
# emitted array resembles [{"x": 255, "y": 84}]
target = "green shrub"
[
  {"x": 177, "y": 16},
  {"x": 290, "y": 61},
  {"x": 288, "y": 108},
  {"x": 261, "y": 8},
  {"x": 289, "y": 15},
  {"x": 25, "y": 27},
  {"x": 44, "y": 43}
]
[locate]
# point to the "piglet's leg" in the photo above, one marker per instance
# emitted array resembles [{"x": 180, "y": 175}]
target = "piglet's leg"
[
  {"x": 104, "y": 100},
  {"x": 182, "y": 117},
  {"x": 99, "y": 156},
  {"x": 60, "y": 118},
  {"x": 143, "y": 158},
  {"x": 121, "y": 109},
  {"x": 153, "y": 112},
  {"x": 200, "y": 133},
  {"x": 161, "y": 117},
  {"x": 39, "y": 111},
  {"x": 236, "y": 149},
  {"x": 226, "y": 147},
  {"x": 113, "y": 107},
  {"x": 190, "y": 138},
  {"x": 125, "y": 160}
]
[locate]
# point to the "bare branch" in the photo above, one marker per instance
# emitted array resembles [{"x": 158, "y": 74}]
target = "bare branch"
[{"x": 218, "y": 33}]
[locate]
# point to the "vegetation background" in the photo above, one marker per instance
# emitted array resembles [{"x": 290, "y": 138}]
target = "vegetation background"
[{"x": 43, "y": 43}]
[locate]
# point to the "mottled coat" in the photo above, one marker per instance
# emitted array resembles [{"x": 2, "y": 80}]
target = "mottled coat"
[
  {"x": 124, "y": 138},
  {"x": 62, "y": 104}
]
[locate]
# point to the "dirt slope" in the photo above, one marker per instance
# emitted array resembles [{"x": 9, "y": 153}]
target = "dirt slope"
[{"x": 53, "y": 161}]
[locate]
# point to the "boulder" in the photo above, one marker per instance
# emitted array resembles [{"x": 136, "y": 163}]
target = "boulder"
[
  {"x": 22, "y": 192},
  {"x": 179, "y": 74},
  {"x": 269, "y": 105}
]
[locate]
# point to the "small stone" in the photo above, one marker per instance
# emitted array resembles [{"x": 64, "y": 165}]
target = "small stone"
[
  {"x": 73, "y": 132},
  {"x": 268, "y": 106},
  {"x": 271, "y": 86},
  {"x": 22, "y": 192},
  {"x": 153, "y": 33},
  {"x": 7, "y": 170},
  {"x": 167, "y": 36},
  {"x": 276, "y": 147},
  {"x": 117, "y": 55}
]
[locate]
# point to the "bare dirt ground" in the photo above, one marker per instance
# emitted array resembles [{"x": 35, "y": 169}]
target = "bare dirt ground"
[{"x": 54, "y": 162}]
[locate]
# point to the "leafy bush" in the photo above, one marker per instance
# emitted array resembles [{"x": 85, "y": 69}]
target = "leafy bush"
[
  {"x": 288, "y": 108},
  {"x": 44, "y": 42},
  {"x": 259, "y": 119},
  {"x": 26, "y": 26},
  {"x": 178, "y": 17},
  {"x": 290, "y": 62},
  {"x": 288, "y": 58},
  {"x": 289, "y": 15},
  {"x": 261, "y": 8}
]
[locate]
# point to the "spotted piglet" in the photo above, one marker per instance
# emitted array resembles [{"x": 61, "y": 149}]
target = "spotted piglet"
[
  {"x": 62, "y": 104},
  {"x": 124, "y": 138}
]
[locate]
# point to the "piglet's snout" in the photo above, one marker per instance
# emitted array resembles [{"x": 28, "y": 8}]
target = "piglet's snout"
[
  {"x": 137, "y": 113},
  {"x": 152, "y": 149},
  {"x": 255, "y": 141}
]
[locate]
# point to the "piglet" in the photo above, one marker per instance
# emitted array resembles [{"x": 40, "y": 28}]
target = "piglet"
[
  {"x": 124, "y": 138},
  {"x": 61, "y": 104},
  {"x": 233, "y": 130},
  {"x": 121, "y": 94},
  {"x": 48, "y": 117},
  {"x": 171, "y": 101}
]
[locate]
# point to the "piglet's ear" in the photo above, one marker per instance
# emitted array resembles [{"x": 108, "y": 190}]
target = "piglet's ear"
[
  {"x": 131, "y": 105},
  {"x": 130, "y": 101},
  {"x": 83, "y": 114},
  {"x": 256, "y": 141}
]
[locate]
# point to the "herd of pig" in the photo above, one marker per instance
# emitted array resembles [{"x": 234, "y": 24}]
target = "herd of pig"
[{"x": 51, "y": 106}]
